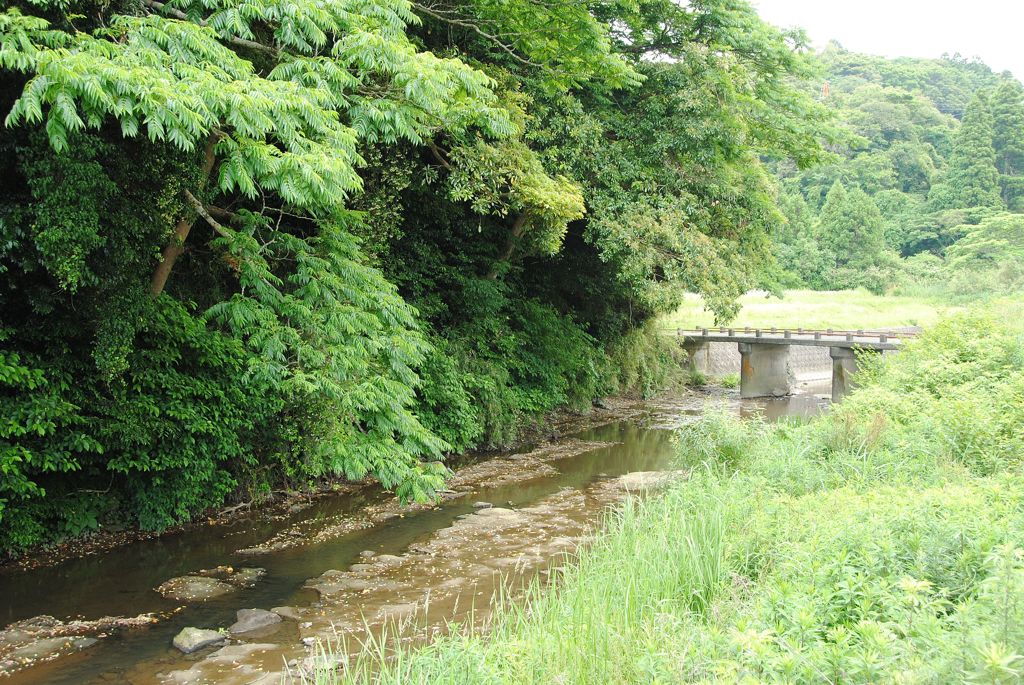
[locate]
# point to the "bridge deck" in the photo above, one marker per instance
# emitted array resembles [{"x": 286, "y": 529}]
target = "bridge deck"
[{"x": 869, "y": 340}]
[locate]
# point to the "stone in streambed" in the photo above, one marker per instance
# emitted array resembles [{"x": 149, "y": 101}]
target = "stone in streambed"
[
  {"x": 247, "y": 576},
  {"x": 394, "y": 612},
  {"x": 291, "y": 613},
  {"x": 200, "y": 586},
  {"x": 47, "y": 648},
  {"x": 321, "y": 664},
  {"x": 194, "y": 588},
  {"x": 193, "y": 639},
  {"x": 253, "y": 619},
  {"x": 639, "y": 481}
]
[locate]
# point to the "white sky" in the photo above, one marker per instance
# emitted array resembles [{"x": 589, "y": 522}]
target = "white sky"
[{"x": 990, "y": 29}]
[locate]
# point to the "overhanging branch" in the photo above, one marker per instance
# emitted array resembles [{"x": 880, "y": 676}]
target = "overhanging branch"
[
  {"x": 472, "y": 26},
  {"x": 235, "y": 40}
]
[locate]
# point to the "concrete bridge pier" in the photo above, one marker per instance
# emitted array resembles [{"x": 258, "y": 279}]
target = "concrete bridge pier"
[
  {"x": 764, "y": 370},
  {"x": 699, "y": 356},
  {"x": 844, "y": 369}
]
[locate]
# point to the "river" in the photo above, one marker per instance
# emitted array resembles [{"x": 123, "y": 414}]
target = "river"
[{"x": 355, "y": 559}]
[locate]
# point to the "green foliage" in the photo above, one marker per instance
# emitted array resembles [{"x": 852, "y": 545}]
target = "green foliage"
[
  {"x": 510, "y": 180},
  {"x": 986, "y": 261},
  {"x": 851, "y": 228},
  {"x": 164, "y": 433},
  {"x": 949, "y": 82},
  {"x": 643, "y": 362},
  {"x": 252, "y": 245},
  {"x": 995, "y": 239},
  {"x": 1008, "y": 140},
  {"x": 933, "y": 143},
  {"x": 285, "y": 357},
  {"x": 730, "y": 381},
  {"x": 972, "y": 179},
  {"x": 495, "y": 379}
]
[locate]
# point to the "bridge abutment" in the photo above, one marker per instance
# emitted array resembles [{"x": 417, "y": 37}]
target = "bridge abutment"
[
  {"x": 764, "y": 370},
  {"x": 699, "y": 357},
  {"x": 844, "y": 370}
]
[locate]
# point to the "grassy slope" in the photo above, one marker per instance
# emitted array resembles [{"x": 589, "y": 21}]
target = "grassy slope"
[
  {"x": 881, "y": 543},
  {"x": 847, "y": 309}
]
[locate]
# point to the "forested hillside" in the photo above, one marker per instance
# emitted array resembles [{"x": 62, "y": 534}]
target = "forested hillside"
[
  {"x": 250, "y": 244},
  {"x": 927, "y": 188}
]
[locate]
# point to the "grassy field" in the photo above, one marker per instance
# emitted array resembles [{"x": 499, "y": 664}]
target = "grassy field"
[
  {"x": 883, "y": 542},
  {"x": 846, "y": 309}
]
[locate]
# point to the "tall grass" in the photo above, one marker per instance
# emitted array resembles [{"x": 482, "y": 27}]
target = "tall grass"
[
  {"x": 882, "y": 543},
  {"x": 659, "y": 559}
]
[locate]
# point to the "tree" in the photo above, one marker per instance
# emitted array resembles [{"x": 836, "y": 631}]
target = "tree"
[
  {"x": 994, "y": 240},
  {"x": 971, "y": 179},
  {"x": 803, "y": 261},
  {"x": 851, "y": 228},
  {"x": 1008, "y": 140},
  {"x": 227, "y": 142}
]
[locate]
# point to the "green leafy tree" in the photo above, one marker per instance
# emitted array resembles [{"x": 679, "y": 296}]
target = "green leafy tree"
[
  {"x": 509, "y": 181},
  {"x": 851, "y": 228},
  {"x": 253, "y": 116},
  {"x": 971, "y": 179},
  {"x": 1008, "y": 116},
  {"x": 800, "y": 255},
  {"x": 995, "y": 239},
  {"x": 249, "y": 244}
]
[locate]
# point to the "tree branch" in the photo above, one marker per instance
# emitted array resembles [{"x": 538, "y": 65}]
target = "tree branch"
[
  {"x": 518, "y": 228},
  {"x": 201, "y": 211},
  {"x": 475, "y": 28},
  {"x": 438, "y": 156},
  {"x": 176, "y": 247},
  {"x": 241, "y": 42}
]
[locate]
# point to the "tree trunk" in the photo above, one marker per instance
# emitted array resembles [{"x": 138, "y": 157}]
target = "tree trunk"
[
  {"x": 510, "y": 245},
  {"x": 176, "y": 247}
]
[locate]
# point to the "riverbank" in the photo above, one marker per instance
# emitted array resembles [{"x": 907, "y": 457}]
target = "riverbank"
[
  {"x": 880, "y": 542},
  {"x": 279, "y": 506}
]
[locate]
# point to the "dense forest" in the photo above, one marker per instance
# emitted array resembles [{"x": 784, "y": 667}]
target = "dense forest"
[
  {"x": 926, "y": 189},
  {"x": 246, "y": 245}
]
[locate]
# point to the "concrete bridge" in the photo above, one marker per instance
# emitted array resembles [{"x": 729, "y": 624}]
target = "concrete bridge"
[{"x": 765, "y": 354}]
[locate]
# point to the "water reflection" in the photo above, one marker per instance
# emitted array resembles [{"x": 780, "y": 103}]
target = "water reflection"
[{"x": 808, "y": 401}]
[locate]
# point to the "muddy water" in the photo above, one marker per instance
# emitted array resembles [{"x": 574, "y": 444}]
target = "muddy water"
[{"x": 545, "y": 502}]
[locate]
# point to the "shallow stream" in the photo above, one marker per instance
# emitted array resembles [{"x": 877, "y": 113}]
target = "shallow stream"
[{"x": 389, "y": 564}]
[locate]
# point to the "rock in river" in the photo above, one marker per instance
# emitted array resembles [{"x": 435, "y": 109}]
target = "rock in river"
[
  {"x": 43, "y": 638},
  {"x": 291, "y": 613},
  {"x": 194, "y": 588},
  {"x": 208, "y": 583},
  {"x": 47, "y": 648},
  {"x": 253, "y": 619},
  {"x": 193, "y": 639}
]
